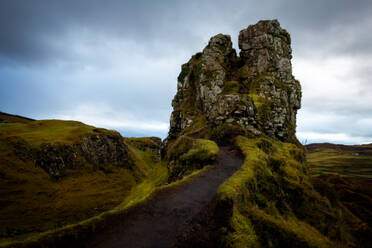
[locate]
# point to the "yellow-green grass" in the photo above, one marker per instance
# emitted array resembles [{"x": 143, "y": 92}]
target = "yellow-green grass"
[
  {"x": 187, "y": 154},
  {"x": 257, "y": 99},
  {"x": 143, "y": 141},
  {"x": 348, "y": 163},
  {"x": 31, "y": 202},
  {"x": 139, "y": 194},
  {"x": 36, "y": 133},
  {"x": 35, "y": 209},
  {"x": 274, "y": 204},
  {"x": 201, "y": 150}
]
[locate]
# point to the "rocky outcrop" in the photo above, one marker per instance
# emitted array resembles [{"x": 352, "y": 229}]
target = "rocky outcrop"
[
  {"x": 255, "y": 91},
  {"x": 98, "y": 150}
]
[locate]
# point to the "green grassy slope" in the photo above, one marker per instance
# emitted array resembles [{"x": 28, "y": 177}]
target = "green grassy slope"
[
  {"x": 351, "y": 161},
  {"x": 32, "y": 202},
  {"x": 186, "y": 155}
]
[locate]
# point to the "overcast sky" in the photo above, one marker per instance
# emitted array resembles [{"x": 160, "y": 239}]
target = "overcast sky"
[{"x": 114, "y": 64}]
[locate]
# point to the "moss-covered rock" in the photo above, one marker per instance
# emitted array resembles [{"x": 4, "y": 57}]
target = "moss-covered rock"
[
  {"x": 187, "y": 154},
  {"x": 57, "y": 146}
]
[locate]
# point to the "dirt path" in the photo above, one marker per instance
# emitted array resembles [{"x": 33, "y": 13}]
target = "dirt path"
[{"x": 158, "y": 222}]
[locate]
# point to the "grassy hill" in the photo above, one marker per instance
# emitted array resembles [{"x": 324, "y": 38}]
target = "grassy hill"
[{"x": 97, "y": 171}]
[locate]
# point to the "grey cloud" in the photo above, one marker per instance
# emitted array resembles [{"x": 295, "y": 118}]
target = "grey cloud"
[
  {"x": 29, "y": 28},
  {"x": 48, "y": 44}
]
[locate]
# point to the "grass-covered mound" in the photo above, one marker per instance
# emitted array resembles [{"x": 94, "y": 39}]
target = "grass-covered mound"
[
  {"x": 271, "y": 202},
  {"x": 186, "y": 154},
  {"x": 106, "y": 176}
]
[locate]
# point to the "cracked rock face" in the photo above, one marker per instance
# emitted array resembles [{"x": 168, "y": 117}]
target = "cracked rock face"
[
  {"x": 256, "y": 90},
  {"x": 98, "y": 150}
]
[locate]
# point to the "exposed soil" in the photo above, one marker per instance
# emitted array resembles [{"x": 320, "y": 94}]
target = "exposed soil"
[{"x": 169, "y": 214}]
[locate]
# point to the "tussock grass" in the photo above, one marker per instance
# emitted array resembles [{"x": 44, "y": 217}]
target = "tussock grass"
[{"x": 275, "y": 205}]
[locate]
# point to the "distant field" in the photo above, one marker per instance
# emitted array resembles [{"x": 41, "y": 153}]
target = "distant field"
[{"x": 350, "y": 161}]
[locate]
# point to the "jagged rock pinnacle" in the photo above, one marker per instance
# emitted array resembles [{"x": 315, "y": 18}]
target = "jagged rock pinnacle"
[{"x": 255, "y": 92}]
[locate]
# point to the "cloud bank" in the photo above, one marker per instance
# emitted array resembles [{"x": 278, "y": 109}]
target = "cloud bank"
[{"x": 114, "y": 64}]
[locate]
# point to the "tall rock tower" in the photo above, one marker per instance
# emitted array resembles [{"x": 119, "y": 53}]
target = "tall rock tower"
[{"x": 254, "y": 92}]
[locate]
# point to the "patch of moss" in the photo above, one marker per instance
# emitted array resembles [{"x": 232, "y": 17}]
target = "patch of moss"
[
  {"x": 264, "y": 111},
  {"x": 243, "y": 234},
  {"x": 179, "y": 147},
  {"x": 257, "y": 99},
  {"x": 225, "y": 134},
  {"x": 266, "y": 146},
  {"x": 187, "y": 154},
  {"x": 231, "y": 87},
  {"x": 198, "y": 129},
  {"x": 203, "y": 151}
]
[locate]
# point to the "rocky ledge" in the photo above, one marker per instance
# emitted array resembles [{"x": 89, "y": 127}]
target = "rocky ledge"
[{"x": 99, "y": 150}]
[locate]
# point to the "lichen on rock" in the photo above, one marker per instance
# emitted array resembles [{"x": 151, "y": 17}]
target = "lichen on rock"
[{"x": 255, "y": 91}]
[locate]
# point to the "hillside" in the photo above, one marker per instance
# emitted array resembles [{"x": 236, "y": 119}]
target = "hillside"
[
  {"x": 54, "y": 173},
  {"x": 351, "y": 161},
  {"x": 231, "y": 172}
]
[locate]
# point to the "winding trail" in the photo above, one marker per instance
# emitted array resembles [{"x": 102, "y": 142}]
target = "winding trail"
[{"x": 166, "y": 215}]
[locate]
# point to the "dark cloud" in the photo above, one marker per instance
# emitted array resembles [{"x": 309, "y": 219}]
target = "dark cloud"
[
  {"x": 29, "y": 28},
  {"x": 61, "y": 57}
]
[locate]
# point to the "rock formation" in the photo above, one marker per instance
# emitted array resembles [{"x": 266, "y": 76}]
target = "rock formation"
[
  {"x": 255, "y": 91},
  {"x": 98, "y": 150}
]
